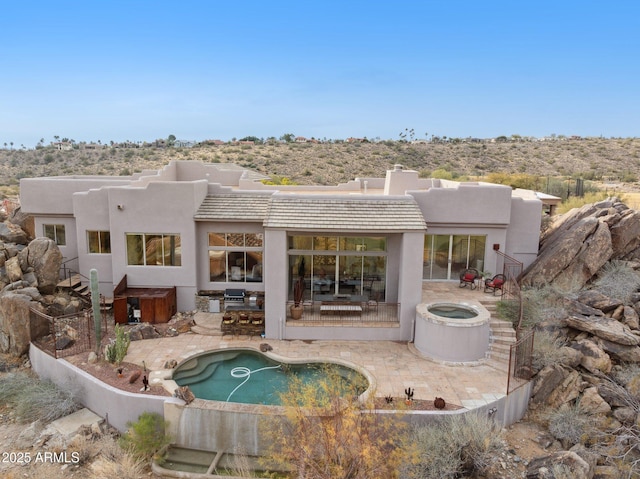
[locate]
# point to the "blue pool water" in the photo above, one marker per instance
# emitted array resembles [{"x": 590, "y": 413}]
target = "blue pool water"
[{"x": 250, "y": 377}]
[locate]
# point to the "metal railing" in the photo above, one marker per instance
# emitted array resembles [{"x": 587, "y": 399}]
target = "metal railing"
[
  {"x": 358, "y": 313},
  {"x": 520, "y": 362},
  {"x": 511, "y": 291}
]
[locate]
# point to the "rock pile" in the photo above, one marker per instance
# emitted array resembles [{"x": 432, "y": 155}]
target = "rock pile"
[
  {"x": 29, "y": 273},
  {"x": 597, "y": 367},
  {"x": 580, "y": 242}
]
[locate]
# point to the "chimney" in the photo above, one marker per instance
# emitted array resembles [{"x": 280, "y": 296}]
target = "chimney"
[{"x": 399, "y": 180}]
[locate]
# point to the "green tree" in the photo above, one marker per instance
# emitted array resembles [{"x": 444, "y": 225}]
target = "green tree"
[
  {"x": 254, "y": 139},
  {"x": 288, "y": 138},
  {"x": 171, "y": 140}
]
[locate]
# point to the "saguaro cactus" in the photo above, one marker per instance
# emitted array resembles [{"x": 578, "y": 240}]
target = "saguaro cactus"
[{"x": 95, "y": 303}]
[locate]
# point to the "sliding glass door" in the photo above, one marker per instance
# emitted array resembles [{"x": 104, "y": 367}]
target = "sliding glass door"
[{"x": 446, "y": 256}]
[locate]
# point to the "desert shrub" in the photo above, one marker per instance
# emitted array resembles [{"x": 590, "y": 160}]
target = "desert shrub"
[
  {"x": 547, "y": 349},
  {"x": 569, "y": 424},
  {"x": 327, "y": 433},
  {"x": 628, "y": 374},
  {"x": 457, "y": 445},
  {"x": 442, "y": 174},
  {"x": 34, "y": 399},
  {"x": 146, "y": 436},
  {"x": 618, "y": 280},
  {"x": 578, "y": 201},
  {"x": 124, "y": 466},
  {"x": 539, "y": 304}
]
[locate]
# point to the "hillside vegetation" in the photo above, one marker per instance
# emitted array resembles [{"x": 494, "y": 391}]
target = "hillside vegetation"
[{"x": 331, "y": 163}]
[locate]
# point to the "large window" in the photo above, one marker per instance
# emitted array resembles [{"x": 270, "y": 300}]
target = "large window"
[
  {"x": 56, "y": 233},
  {"x": 146, "y": 249},
  {"x": 99, "y": 242},
  {"x": 235, "y": 257},
  {"x": 339, "y": 265},
  {"x": 446, "y": 256}
]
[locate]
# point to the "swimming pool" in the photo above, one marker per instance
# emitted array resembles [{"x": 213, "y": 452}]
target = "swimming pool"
[{"x": 250, "y": 377}]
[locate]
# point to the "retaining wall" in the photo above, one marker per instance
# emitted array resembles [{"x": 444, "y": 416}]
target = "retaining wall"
[{"x": 116, "y": 406}]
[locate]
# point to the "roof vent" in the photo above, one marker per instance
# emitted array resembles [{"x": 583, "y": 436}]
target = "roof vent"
[{"x": 398, "y": 167}]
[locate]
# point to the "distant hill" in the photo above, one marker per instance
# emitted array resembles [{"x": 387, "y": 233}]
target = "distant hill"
[{"x": 331, "y": 163}]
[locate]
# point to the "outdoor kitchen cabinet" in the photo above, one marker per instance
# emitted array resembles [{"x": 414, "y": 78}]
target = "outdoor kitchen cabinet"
[{"x": 148, "y": 305}]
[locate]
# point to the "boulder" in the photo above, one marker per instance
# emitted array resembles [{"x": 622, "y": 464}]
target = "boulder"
[
  {"x": 621, "y": 352},
  {"x": 594, "y": 359},
  {"x": 184, "y": 393},
  {"x": 559, "y": 250},
  {"x": 625, "y": 235},
  {"x": 593, "y": 403},
  {"x": 63, "y": 342},
  {"x": 595, "y": 299},
  {"x": 13, "y": 270},
  {"x": 570, "y": 357},
  {"x": 591, "y": 255},
  {"x": 580, "y": 309},
  {"x": 45, "y": 258},
  {"x": 556, "y": 385},
  {"x": 543, "y": 467},
  {"x": 11, "y": 233},
  {"x": 605, "y": 328},
  {"x": 630, "y": 318},
  {"x": 21, "y": 219},
  {"x": 18, "y": 327},
  {"x": 581, "y": 241},
  {"x": 143, "y": 331}
]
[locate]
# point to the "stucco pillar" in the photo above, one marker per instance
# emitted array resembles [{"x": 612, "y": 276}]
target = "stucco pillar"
[
  {"x": 410, "y": 281},
  {"x": 275, "y": 282}
]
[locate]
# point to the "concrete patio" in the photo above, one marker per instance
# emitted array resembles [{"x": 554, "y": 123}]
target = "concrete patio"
[{"x": 394, "y": 365}]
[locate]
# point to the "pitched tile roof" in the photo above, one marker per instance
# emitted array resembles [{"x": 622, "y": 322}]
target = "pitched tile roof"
[
  {"x": 234, "y": 207},
  {"x": 315, "y": 212},
  {"x": 324, "y": 213}
]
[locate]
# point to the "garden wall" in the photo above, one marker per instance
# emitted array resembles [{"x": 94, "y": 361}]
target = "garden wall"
[{"x": 116, "y": 406}]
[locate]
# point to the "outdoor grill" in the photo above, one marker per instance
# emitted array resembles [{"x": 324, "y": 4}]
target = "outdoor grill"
[{"x": 234, "y": 295}]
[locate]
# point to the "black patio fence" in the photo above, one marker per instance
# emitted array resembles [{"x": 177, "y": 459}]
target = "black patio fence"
[{"x": 69, "y": 334}]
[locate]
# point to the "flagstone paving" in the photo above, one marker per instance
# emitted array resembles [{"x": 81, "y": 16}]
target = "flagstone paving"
[{"x": 394, "y": 365}]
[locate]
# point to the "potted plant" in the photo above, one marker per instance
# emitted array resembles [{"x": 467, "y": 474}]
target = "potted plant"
[{"x": 298, "y": 294}]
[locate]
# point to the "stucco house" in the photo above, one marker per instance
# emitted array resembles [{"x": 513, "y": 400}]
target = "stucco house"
[{"x": 200, "y": 229}]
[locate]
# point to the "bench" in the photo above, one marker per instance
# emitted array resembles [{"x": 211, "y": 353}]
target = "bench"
[{"x": 340, "y": 308}]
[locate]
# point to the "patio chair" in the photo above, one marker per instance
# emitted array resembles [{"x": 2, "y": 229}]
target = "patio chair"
[
  {"x": 468, "y": 277},
  {"x": 495, "y": 284},
  {"x": 373, "y": 302}
]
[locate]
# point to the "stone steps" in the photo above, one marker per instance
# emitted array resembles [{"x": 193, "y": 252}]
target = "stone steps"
[
  {"x": 502, "y": 337},
  {"x": 75, "y": 287}
]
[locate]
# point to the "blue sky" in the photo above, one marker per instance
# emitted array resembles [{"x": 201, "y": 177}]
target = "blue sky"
[{"x": 141, "y": 70}]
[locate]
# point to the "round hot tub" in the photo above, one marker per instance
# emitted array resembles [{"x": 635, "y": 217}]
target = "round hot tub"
[{"x": 452, "y": 332}]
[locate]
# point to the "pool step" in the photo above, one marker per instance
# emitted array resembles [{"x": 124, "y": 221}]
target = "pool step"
[{"x": 201, "y": 372}]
